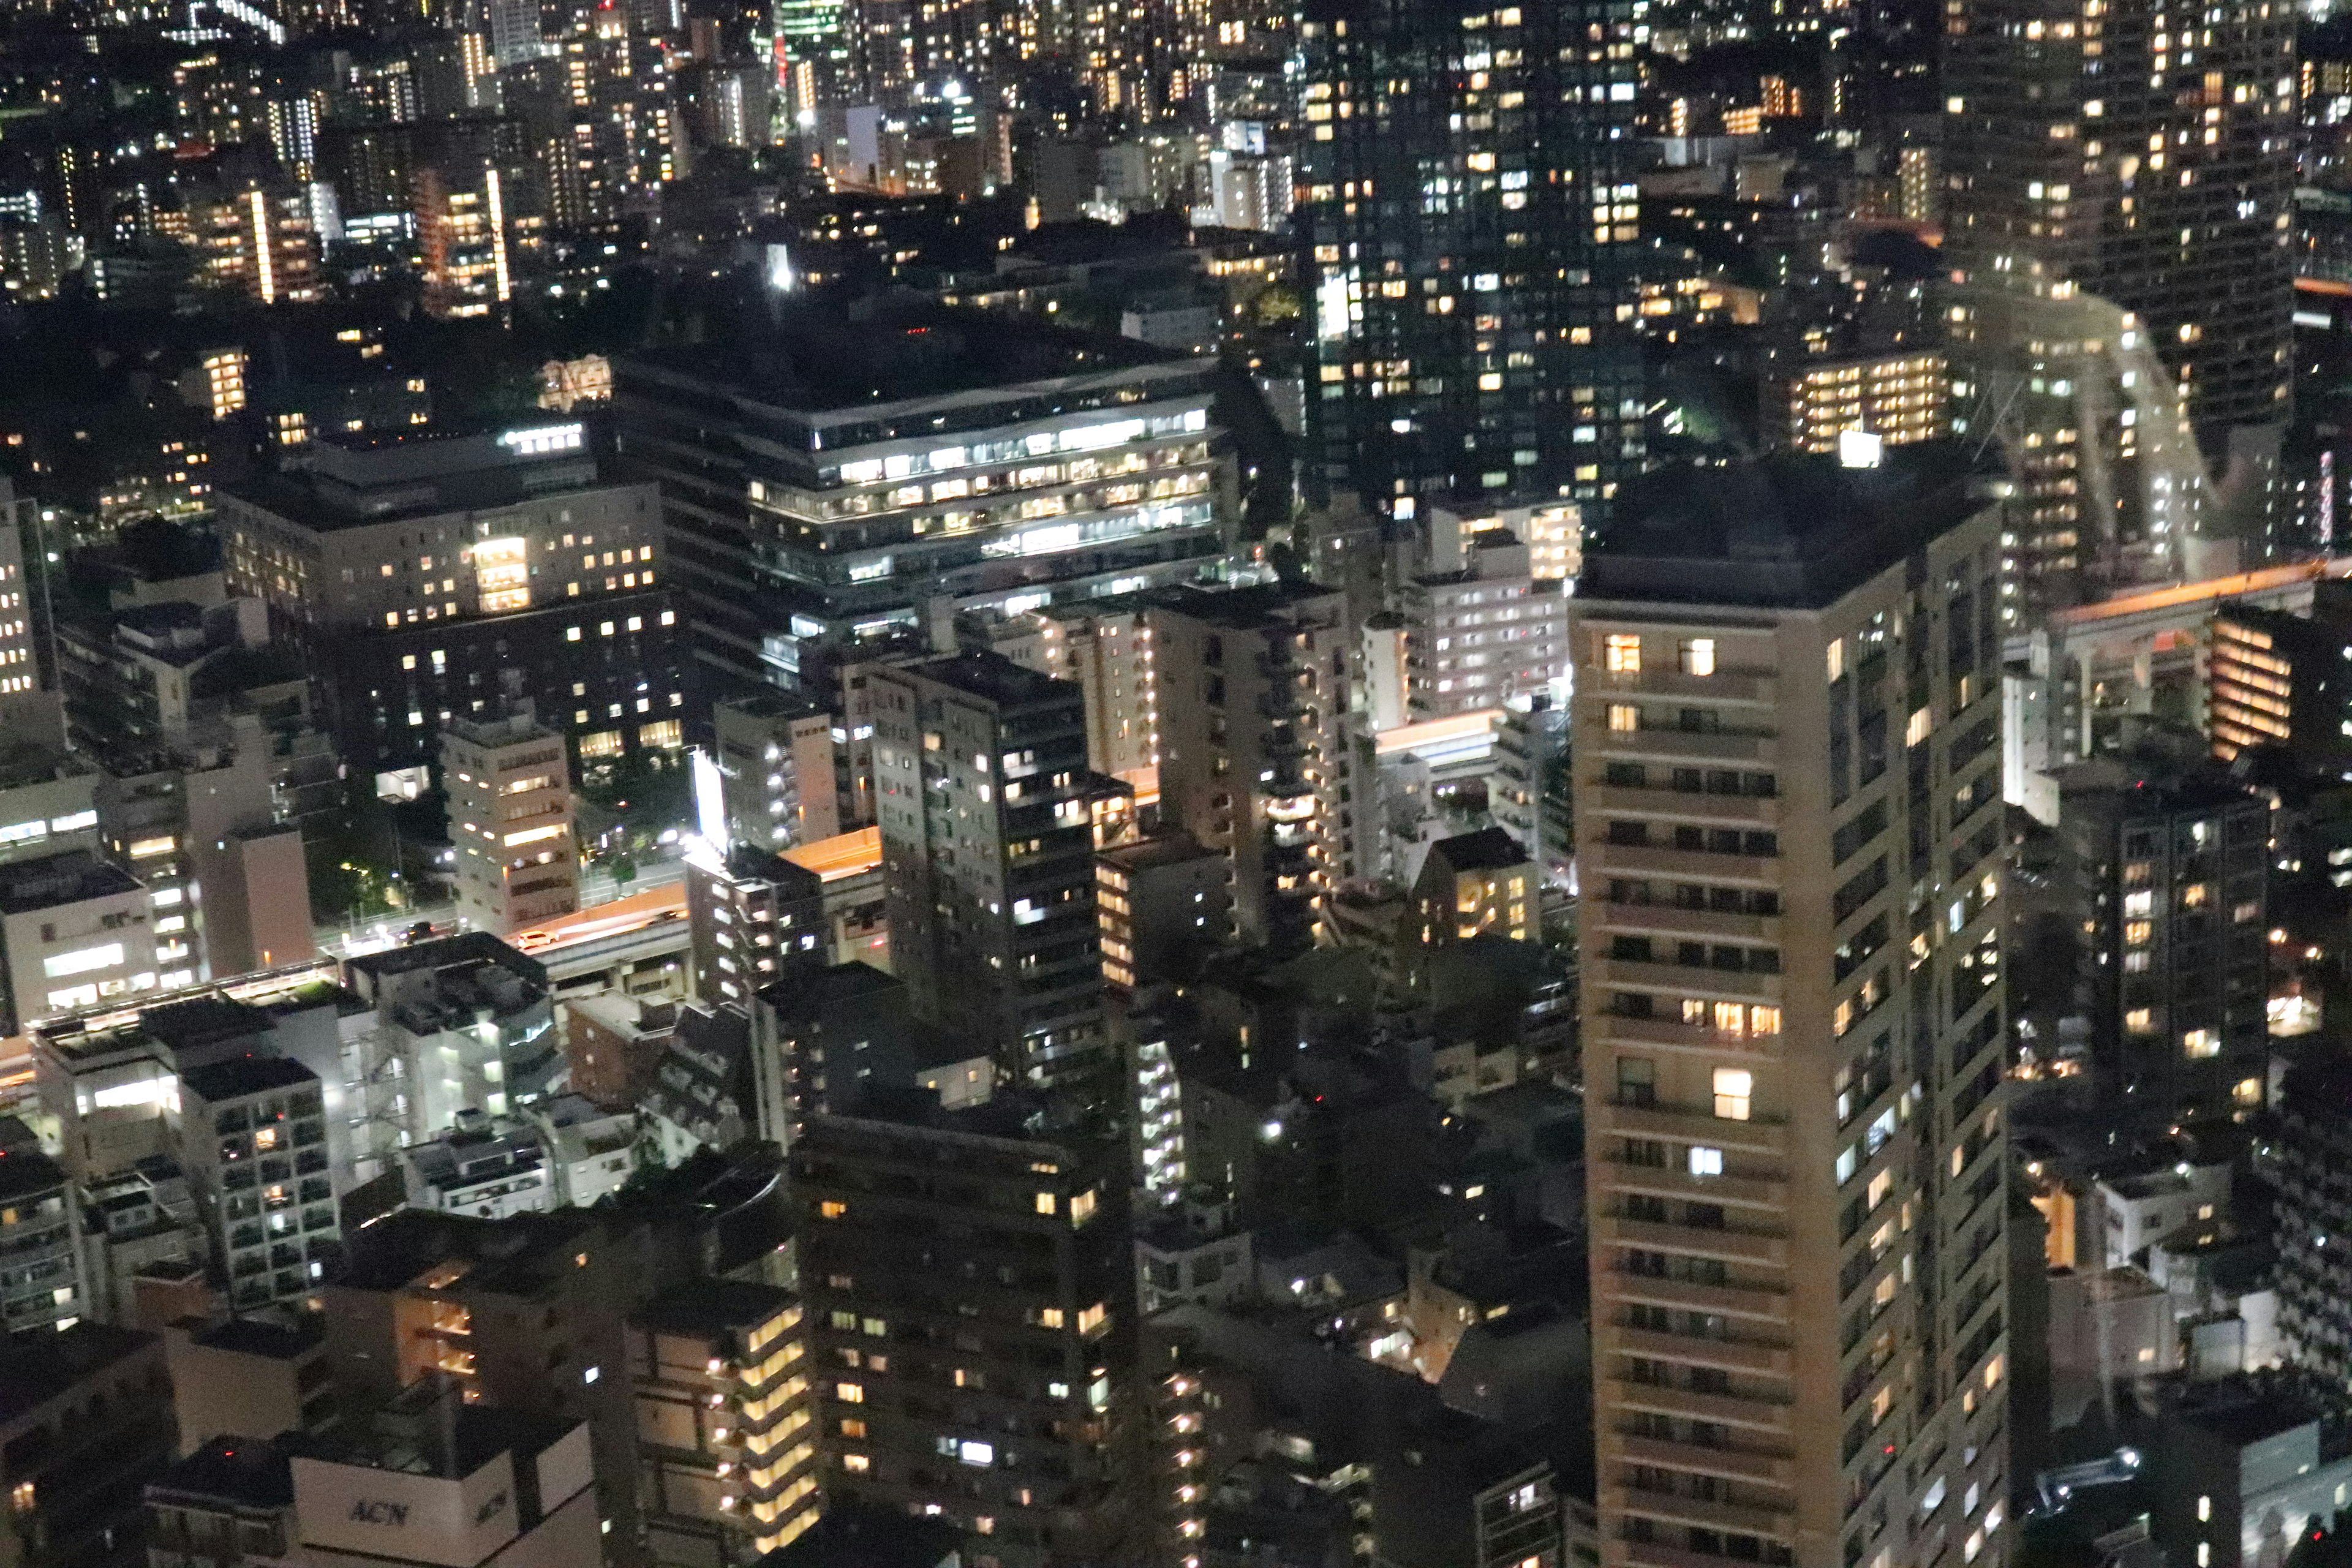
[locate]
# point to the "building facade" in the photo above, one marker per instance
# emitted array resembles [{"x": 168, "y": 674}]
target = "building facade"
[{"x": 1792, "y": 865}]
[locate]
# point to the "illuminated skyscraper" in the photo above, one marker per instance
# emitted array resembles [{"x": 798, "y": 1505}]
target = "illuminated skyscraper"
[
  {"x": 1787, "y": 744},
  {"x": 1467, "y": 210}
]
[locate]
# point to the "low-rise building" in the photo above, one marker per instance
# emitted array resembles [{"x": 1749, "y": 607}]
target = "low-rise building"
[
  {"x": 42, "y": 1284},
  {"x": 727, "y": 1430},
  {"x": 749, "y": 912},
  {"x": 85, "y": 1419},
  {"x": 479, "y": 1168},
  {"x": 776, "y": 763},
  {"x": 253, "y": 1142},
  {"x": 75, "y": 931},
  {"x": 249, "y": 1373}
]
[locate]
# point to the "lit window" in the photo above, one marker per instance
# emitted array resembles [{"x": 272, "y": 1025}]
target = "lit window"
[
  {"x": 832, "y": 1209},
  {"x": 1046, "y": 1203},
  {"x": 1623, "y": 653},
  {"x": 849, "y": 1393},
  {"x": 1698, "y": 655},
  {"x": 1624, "y": 718},
  {"x": 1734, "y": 1089},
  {"x": 2199, "y": 1044},
  {"x": 1705, "y": 1161}
]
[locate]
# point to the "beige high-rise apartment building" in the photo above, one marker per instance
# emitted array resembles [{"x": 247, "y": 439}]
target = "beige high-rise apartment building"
[
  {"x": 1788, "y": 778},
  {"x": 510, "y": 818}
]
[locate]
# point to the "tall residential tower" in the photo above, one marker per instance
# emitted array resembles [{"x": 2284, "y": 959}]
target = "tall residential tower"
[{"x": 1787, "y": 791}]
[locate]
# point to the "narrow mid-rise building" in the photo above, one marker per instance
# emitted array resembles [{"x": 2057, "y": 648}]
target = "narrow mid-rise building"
[{"x": 509, "y": 783}]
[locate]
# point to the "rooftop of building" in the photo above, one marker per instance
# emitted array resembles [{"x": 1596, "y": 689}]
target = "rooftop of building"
[
  {"x": 38, "y": 1368},
  {"x": 1177, "y": 848},
  {"x": 458, "y": 953},
  {"x": 363, "y": 479},
  {"x": 201, "y": 1021},
  {"x": 242, "y": 1076},
  {"x": 808, "y": 988},
  {"x": 992, "y": 677},
  {"x": 429, "y": 1430},
  {"x": 812, "y": 359},
  {"x": 771, "y": 705},
  {"x": 70, "y": 876},
  {"x": 517, "y": 1256},
  {"x": 1786, "y": 531},
  {"x": 267, "y": 1338},
  {"x": 1487, "y": 850},
  {"x": 1259, "y": 606},
  {"x": 2155, "y": 783},
  {"x": 23, "y": 1171},
  {"x": 712, "y": 1307},
  {"x": 854, "y": 1535},
  {"x": 239, "y": 1472},
  {"x": 26, "y": 762}
]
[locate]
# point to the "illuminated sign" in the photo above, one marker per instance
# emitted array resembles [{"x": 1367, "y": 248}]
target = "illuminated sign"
[{"x": 545, "y": 439}]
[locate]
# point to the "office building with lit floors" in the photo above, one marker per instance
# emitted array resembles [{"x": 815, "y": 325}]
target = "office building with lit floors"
[
  {"x": 1255, "y": 757},
  {"x": 419, "y": 574},
  {"x": 1787, "y": 744},
  {"x": 1472, "y": 338},
  {"x": 969, "y": 1280},
  {"x": 986, "y": 801},
  {"x": 828, "y": 486}
]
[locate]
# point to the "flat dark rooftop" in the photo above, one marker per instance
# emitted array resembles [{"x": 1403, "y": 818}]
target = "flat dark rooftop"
[
  {"x": 1789, "y": 531},
  {"x": 73, "y": 876},
  {"x": 997, "y": 679},
  {"x": 203, "y": 1021},
  {"x": 713, "y": 1306},
  {"x": 38, "y": 1368},
  {"x": 1168, "y": 849},
  {"x": 261, "y": 1337},
  {"x": 1488, "y": 849},
  {"x": 815, "y": 360},
  {"x": 805, "y": 988},
  {"x": 443, "y": 952},
  {"x": 28, "y": 1171},
  {"x": 241, "y": 1075},
  {"x": 250, "y": 1473},
  {"x": 1252, "y": 608}
]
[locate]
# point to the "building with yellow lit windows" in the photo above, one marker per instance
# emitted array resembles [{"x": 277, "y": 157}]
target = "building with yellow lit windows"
[
  {"x": 422, "y": 572},
  {"x": 510, "y": 783},
  {"x": 1899, "y": 397},
  {"x": 727, "y": 1432},
  {"x": 2277, "y": 679},
  {"x": 1468, "y": 211},
  {"x": 1473, "y": 885}
]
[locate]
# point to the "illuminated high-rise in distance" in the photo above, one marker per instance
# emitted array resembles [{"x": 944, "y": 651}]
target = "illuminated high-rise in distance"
[{"x": 1468, "y": 212}]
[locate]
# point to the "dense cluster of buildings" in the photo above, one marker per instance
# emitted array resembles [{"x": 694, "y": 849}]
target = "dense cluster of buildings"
[{"x": 1174, "y": 786}]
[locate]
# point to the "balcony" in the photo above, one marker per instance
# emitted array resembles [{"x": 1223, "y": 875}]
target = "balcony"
[
  {"x": 1764, "y": 1304},
  {"x": 1690, "y": 980},
  {"x": 1755, "y": 1415},
  {"x": 1768, "y": 1470},
  {"x": 1675, "y": 1180},
  {"x": 1757, "y": 685},
  {"x": 1730, "y": 810},
  {"x": 1673, "y": 920},
  {"x": 1673, "y": 1037},
  {"x": 1761, "y": 1360},
  {"x": 1691, "y": 1127},
  {"x": 1602, "y": 860},
  {"x": 1733, "y": 1246},
  {"x": 1699, "y": 745},
  {"x": 1705, "y": 1515}
]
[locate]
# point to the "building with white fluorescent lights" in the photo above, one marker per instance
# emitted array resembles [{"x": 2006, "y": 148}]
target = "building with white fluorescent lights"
[{"x": 857, "y": 511}]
